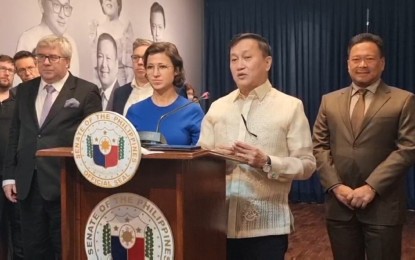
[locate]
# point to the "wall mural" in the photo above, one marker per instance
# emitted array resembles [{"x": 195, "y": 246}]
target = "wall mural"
[{"x": 101, "y": 32}]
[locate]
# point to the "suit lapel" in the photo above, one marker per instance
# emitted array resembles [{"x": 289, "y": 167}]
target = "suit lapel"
[
  {"x": 381, "y": 96},
  {"x": 31, "y": 103},
  {"x": 344, "y": 109},
  {"x": 64, "y": 94}
]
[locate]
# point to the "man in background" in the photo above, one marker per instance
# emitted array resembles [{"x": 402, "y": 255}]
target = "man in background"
[
  {"x": 7, "y": 101},
  {"x": 157, "y": 22},
  {"x": 276, "y": 148},
  {"x": 55, "y": 17},
  {"x": 26, "y": 65},
  {"x": 364, "y": 143},
  {"x": 107, "y": 69},
  {"x": 139, "y": 88},
  {"x": 48, "y": 111}
]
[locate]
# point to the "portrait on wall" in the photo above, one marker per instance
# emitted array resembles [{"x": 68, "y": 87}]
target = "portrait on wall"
[
  {"x": 121, "y": 31},
  {"x": 83, "y": 21},
  {"x": 55, "y": 18}
]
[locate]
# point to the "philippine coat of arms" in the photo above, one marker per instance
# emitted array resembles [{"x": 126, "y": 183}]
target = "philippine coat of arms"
[
  {"x": 107, "y": 149},
  {"x": 127, "y": 226}
]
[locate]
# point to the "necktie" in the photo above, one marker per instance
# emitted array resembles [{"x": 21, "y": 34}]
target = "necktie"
[
  {"x": 104, "y": 100},
  {"x": 47, "y": 104},
  {"x": 358, "y": 111}
]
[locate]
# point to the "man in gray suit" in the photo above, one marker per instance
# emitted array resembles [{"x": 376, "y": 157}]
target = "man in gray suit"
[
  {"x": 364, "y": 143},
  {"x": 48, "y": 111}
]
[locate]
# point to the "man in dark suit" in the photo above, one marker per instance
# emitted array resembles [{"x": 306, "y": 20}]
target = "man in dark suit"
[
  {"x": 47, "y": 113},
  {"x": 364, "y": 143},
  {"x": 107, "y": 69},
  {"x": 139, "y": 88}
]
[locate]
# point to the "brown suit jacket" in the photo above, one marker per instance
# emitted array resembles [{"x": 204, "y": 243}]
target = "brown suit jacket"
[{"x": 379, "y": 155}]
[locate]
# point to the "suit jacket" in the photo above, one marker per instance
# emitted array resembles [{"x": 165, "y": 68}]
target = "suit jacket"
[
  {"x": 26, "y": 136},
  {"x": 379, "y": 155},
  {"x": 111, "y": 99},
  {"x": 120, "y": 98}
]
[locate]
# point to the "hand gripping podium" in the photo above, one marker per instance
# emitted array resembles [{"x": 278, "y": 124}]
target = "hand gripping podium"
[{"x": 188, "y": 187}]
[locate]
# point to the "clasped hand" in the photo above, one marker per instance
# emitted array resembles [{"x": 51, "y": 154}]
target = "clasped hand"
[{"x": 357, "y": 198}]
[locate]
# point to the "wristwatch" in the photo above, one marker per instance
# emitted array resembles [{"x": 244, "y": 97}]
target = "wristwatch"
[{"x": 267, "y": 166}]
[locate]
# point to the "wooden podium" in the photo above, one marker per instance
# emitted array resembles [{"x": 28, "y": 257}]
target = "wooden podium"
[{"x": 188, "y": 187}]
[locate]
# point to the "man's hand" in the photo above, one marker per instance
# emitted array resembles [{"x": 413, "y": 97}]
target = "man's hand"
[
  {"x": 253, "y": 156},
  {"x": 361, "y": 197},
  {"x": 223, "y": 149},
  {"x": 342, "y": 192},
  {"x": 10, "y": 192}
]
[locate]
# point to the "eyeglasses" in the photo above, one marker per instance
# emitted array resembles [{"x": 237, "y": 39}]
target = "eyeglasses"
[
  {"x": 51, "y": 58},
  {"x": 136, "y": 58},
  {"x": 26, "y": 70},
  {"x": 4, "y": 69},
  {"x": 160, "y": 68},
  {"x": 57, "y": 7},
  {"x": 246, "y": 127}
]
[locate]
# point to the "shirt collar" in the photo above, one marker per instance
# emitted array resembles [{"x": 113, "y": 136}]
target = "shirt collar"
[
  {"x": 58, "y": 85},
  {"x": 135, "y": 85},
  {"x": 372, "y": 88},
  {"x": 259, "y": 92}
]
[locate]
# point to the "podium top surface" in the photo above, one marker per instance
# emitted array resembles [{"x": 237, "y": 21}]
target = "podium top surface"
[{"x": 174, "y": 155}]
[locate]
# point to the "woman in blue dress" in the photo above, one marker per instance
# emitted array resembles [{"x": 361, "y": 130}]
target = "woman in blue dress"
[{"x": 174, "y": 116}]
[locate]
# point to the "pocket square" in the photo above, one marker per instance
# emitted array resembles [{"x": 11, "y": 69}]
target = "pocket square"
[{"x": 72, "y": 103}]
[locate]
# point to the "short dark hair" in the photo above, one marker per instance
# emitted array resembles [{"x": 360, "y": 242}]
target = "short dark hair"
[
  {"x": 263, "y": 43},
  {"x": 107, "y": 36},
  {"x": 119, "y": 2},
  {"x": 366, "y": 37},
  {"x": 24, "y": 54},
  {"x": 156, "y": 7},
  {"x": 6, "y": 58},
  {"x": 171, "y": 51}
]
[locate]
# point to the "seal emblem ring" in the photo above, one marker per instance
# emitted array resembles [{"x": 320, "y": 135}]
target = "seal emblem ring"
[
  {"x": 107, "y": 149},
  {"x": 128, "y": 226}
]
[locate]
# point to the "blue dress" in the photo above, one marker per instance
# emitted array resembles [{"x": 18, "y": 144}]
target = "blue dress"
[{"x": 179, "y": 128}]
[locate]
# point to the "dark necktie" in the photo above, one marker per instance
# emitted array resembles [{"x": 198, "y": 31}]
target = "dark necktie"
[
  {"x": 358, "y": 111},
  {"x": 47, "y": 104}
]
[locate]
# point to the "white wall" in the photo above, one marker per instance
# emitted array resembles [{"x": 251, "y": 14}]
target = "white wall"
[{"x": 184, "y": 27}]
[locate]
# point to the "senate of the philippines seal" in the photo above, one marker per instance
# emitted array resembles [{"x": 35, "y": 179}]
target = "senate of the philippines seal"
[
  {"x": 107, "y": 149},
  {"x": 128, "y": 226}
]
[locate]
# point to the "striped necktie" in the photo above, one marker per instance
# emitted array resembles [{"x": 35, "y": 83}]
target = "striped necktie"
[{"x": 358, "y": 111}]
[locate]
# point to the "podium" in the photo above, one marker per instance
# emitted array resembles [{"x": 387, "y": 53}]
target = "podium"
[{"x": 188, "y": 187}]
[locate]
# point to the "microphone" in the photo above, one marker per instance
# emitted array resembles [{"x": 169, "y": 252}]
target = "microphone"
[{"x": 149, "y": 138}]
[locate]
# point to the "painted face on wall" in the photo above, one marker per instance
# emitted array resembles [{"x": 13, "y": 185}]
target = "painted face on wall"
[
  {"x": 157, "y": 26},
  {"x": 107, "y": 63},
  {"x": 56, "y": 14},
  {"x": 110, "y": 8}
]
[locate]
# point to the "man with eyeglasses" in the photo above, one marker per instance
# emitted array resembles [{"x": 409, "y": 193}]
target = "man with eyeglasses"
[
  {"x": 7, "y": 101},
  {"x": 269, "y": 131},
  {"x": 26, "y": 65},
  {"x": 55, "y": 16},
  {"x": 47, "y": 113},
  {"x": 139, "y": 89}
]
